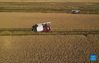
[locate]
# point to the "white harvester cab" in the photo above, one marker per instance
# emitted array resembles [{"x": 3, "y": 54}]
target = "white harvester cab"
[
  {"x": 42, "y": 27},
  {"x": 39, "y": 27}
]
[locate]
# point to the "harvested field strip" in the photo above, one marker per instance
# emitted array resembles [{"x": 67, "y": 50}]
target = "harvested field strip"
[
  {"x": 28, "y": 31},
  {"x": 49, "y": 7}
]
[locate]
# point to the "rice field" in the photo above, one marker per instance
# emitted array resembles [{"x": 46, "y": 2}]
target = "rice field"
[
  {"x": 60, "y": 21},
  {"x": 50, "y": 7},
  {"x": 49, "y": 1},
  {"x": 18, "y": 18},
  {"x": 47, "y": 48}
]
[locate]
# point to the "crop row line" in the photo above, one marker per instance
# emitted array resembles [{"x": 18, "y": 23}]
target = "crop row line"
[{"x": 28, "y": 31}]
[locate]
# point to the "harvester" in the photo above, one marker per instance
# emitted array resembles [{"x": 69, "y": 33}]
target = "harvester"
[
  {"x": 75, "y": 11},
  {"x": 42, "y": 27}
]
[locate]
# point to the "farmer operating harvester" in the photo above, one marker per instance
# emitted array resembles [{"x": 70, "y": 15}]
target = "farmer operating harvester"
[{"x": 42, "y": 27}]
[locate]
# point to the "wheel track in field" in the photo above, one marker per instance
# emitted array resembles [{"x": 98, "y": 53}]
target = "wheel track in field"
[{"x": 28, "y": 31}]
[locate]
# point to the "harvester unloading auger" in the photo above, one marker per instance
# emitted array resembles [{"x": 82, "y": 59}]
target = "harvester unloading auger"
[{"x": 42, "y": 27}]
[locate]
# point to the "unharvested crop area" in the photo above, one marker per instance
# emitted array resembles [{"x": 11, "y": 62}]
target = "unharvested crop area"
[
  {"x": 50, "y": 7},
  {"x": 47, "y": 48}
]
